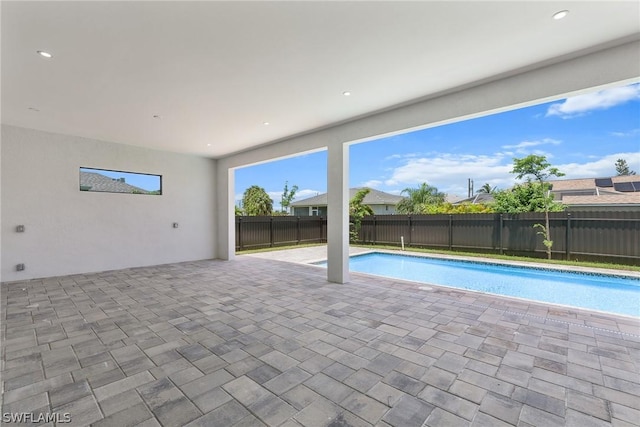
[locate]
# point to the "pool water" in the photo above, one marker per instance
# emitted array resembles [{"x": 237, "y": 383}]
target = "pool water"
[{"x": 612, "y": 294}]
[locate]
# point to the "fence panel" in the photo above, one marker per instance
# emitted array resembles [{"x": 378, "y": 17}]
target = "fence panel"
[
  {"x": 471, "y": 231},
  {"x": 266, "y": 231},
  {"x": 575, "y": 234}
]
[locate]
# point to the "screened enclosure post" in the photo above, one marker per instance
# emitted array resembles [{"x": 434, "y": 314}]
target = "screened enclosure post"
[
  {"x": 568, "y": 237},
  {"x": 500, "y": 233},
  {"x": 450, "y": 232}
]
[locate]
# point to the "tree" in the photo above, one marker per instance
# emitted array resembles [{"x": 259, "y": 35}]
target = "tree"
[
  {"x": 524, "y": 198},
  {"x": 486, "y": 189},
  {"x": 357, "y": 211},
  {"x": 622, "y": 168},
  {"x": 256, "y": 201},
  {"x": 287, "y": 196},
  {"x": 537, "y": 167},
  {"x": 238, "y": 211},
  {"x": 418, "y": 199}
]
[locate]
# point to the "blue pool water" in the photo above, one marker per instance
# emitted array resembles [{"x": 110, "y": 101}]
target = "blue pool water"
[{"x": 594, "y": 291}]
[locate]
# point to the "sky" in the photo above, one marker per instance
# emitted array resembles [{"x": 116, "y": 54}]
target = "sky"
[{"x": 582, "y": 136}]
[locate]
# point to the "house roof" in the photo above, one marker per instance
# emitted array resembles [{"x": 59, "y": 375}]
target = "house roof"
[
  {"x": 586, "y": 191},
  {"x": 588, "y": 183},
  {"x": 478, "y": 198},
  {"x": 98, "y": 182},
  {"x": 603, "y": 199},
  {"x": 375, "y": 197}
]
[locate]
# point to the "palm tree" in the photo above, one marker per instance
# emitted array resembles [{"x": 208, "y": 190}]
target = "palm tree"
[
  {"x": 486, "y": 189},
  {"x": 418, "y": 198}
]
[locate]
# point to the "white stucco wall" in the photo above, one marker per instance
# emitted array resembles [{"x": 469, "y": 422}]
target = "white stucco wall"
[{"x": 70, "y": 231}]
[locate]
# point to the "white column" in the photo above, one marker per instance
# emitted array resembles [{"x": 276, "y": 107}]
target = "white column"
[
  {"x": 226, "y": 220},
  {"x": 338, "y": 213}
]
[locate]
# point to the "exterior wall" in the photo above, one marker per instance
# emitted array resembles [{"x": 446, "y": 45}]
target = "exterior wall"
[
  {"x": 69, "y": 231},
  {"x": 322, "y": 210},
  {"x": 383, "y": 209}
]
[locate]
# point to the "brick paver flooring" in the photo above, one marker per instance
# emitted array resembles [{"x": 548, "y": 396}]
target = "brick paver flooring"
[{"x": 256, "y": 342}]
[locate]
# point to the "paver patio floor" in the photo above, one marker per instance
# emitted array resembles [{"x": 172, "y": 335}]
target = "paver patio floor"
[{"x": 256, "y": 342}]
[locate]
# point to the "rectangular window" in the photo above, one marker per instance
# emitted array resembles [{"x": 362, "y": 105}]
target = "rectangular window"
[{"x": 110, "y": 181}]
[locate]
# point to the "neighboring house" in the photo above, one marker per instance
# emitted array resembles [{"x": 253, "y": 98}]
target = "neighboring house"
[
  {"x": 382, "y": 203},
  {"x": 615, "y": 193},
  {"x": 479, "y": 198},
  {"x": 91, "y": 181}
]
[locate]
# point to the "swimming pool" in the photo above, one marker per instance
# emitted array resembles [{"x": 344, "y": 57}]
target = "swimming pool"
[{"x": 613, "y": 294}]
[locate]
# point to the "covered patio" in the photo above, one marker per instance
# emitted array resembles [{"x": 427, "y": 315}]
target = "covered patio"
[
  {"x": 254, "y": 342},
  {"x": 130, "y": 309}
]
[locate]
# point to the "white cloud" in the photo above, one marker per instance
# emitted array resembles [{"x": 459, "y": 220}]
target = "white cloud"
[
  {"x": 582, "y": 104},
  {"x": 526, "y": 144},
  {"x": 374, "y": 183},
  {"x": 632, "y": 132},
  {"x": 600, "y": 167},
  {"x": 449, "y": 172}
]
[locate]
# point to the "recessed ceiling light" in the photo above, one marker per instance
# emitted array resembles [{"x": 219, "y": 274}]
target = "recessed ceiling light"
[
  {"x": 559, "y": 15},
  {"x": 346, "y": 93},
  {"x": 44, "y": 54},
  {"x": 208, "y": 145},
  {"x": 266, "y": 123}
]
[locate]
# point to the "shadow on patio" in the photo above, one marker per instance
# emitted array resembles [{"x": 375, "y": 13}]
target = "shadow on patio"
[{"x": 263, "y": 342}]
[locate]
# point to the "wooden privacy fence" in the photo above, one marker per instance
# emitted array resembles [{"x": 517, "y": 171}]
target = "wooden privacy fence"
[
  {"x": 575, "y": 235},
  {"x": 609, "y": 236},
  {"x": 269, "y": 231}
]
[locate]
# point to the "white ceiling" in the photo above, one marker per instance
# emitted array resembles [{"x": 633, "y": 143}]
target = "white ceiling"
[{"x": 216, "y": 71}]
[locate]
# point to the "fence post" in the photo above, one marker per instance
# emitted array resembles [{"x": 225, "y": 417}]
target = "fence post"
[
  {"x": 568, "y": 237},
  {"x": 375, "y": 230},
  {"x": 298, "y": 230},
  {"x": 500, "y": 233},
  {"x": 271, "y": 232},
  {"x": 240, "y": 243},
  {"x": 450, "y": 232},
  {"x": 409, "y": 240}
]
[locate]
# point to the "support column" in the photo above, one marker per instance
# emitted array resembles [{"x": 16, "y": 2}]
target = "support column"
[
  {"x": 226, "y": 221},
  {"x": 338, "y": 213}
]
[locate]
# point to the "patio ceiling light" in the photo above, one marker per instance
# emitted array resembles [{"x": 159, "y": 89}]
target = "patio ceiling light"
[
  {"x": 559, "y": 15},
  {"x": 266, "y": 123},
  {"x": 44, "y": 54},
  {"x": 346, "y": 93}
]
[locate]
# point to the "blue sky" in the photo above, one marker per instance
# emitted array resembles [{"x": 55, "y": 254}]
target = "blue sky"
[{"x": 583, "y": 136}]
